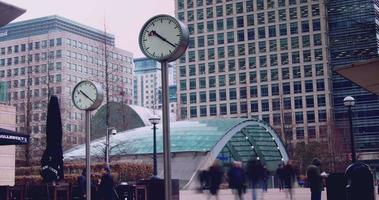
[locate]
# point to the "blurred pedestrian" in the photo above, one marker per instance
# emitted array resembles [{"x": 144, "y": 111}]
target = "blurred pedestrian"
[
  {"x": 82, "y": 185},
  {"x": 265, "y": 178},
  {"x": 216, "y": 174},
  {"x": 289, "y": 177},
  {"x": 236, "y": 177},
  {"x": 315, "y": 179},
  {"x": 255, "y": 172},
  {"x": 280, "y": 176},
  {"x": 203, "y": 180},
  {"x": 106, "y": 187}
]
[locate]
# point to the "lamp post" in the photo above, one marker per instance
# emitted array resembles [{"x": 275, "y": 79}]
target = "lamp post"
[
  {"x": 107, "y": 139},
  {"x": 155, "y": 120},
  {"x": 349, "y": 102}
]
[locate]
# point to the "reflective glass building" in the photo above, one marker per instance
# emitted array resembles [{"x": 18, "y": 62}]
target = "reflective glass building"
[{"x": 353, "y": 36}]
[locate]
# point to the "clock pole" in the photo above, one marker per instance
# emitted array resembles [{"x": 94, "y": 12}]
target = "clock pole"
[
  {"x": 88, "y": 159},
  {"x": 166, "y": 131}
]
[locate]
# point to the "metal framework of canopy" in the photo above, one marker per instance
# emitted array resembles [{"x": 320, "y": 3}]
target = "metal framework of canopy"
[
  {"x": 9, "y": 12},
  {"x": 364, "y": 73},
  {"x": 8, "y": 137}
]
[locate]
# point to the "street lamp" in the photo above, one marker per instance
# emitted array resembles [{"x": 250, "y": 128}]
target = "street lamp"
[
  {"x": 349, "y": 102},
  {"x": 107, "y": 139},
  {"x": 155, "y": 120}
]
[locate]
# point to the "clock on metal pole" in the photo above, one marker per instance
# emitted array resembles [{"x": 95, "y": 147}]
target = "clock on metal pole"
[
  {"x": 165, "y": 39},
  {"x": 88, "y": 96}
]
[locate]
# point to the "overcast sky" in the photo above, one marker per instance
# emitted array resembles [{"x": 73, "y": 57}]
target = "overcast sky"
[{"x": 123, "y": 18}]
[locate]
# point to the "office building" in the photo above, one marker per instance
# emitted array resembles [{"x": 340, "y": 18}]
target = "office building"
[
  {"x": 148, "y": 82},
  {"x": 49, "y": 56},
  {"x": 354, "y": 36},
  {"x": 265, "y": 59}
]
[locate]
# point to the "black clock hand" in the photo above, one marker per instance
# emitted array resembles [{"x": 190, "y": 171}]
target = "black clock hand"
[
  {"x": 154, "y": 33},
  {"x": 86, "y": 96}
]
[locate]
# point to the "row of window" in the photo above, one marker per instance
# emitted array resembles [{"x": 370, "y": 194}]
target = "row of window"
[
  {"x": 231, "y": 94},
  {"x": 262, "y": 31},
  {"x": 30, "y": 58},
  {"x": 57, "y": 78},
  {"x": 35, "y": 93},
  {"x": 31, "y": 46},
  {"x": 265, "y": 75},
  {"x": 273, "y": 60},
  {"x": 272, "y": 16},
  {"x": 297, "y": 86},
  {"x": 98, "y": 50},
  {"x": 37, "y": 69},
  {"x": 239, "y": 6},
  {"x": 232, "y": 108}
]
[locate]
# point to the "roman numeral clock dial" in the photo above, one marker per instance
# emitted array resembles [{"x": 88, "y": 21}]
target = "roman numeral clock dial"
[{"x": 163, "y": 38}]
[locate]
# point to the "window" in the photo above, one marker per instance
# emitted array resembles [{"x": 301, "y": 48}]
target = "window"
[
  {"x": 297, "y": 87},
  {"x": 284, "y": 44},
  {"x": 298, "y": 102},
  {"x": 220, "y": 24},
  {"x": 311, "y": 132},
  {"x": 243, "y": 107},
  {"x": 265, "y": 105},
  {"x": 261, "y": 18},
  {"x": 243, "y": 93},
  {"x": 240, "y": 35},
  {"x": 307, "y": 56},
  {"x": 304, "y": 26},
  {"x": 273, "y": 60},
  {"x": 261, "y": 32},
  {"x": 241, "y": 49},
  {"x": 300, "y": 133},
  {"x": 213, "y": 110},
  {"x": 322, "y": 116},
  {"x": 294, "y": 28},
  {"x": 319, "y": 69},
  {"x": 220, "y": 38},
  {"x": 295, "y": 57},
  {"x": 250, "y": 34},
  {"x": 229, "y": 9},
  {"x": 221, "y": 66},
  {"x": 253, "y": 77},
  {"x": 309, "y": 101},
  {"x": 274, "y": 74},
  {"x": 275, "y": 104},
  {"x": 232, "y": 94},
  {"x": 262, "y": 46},
  {"x": 232, "y": 79},
  {"x": 294, "y": 42},
  {"x": 263, "y": 75},
  {"x": 193, "y": 111},
  {"x": 316, "y": 25},
  {"x": 210, "y": 12},
  {"x": 193, "y": 97},
  {"x": 254, "y": 106},
  {"x": 240, "y": 22},
  {"x": 320, "y": 85},
  {"x": 321, "y": 100},
  {"x": 286, "y": 88},
  {"x": 317, "y": 40},
  {"x": 231, "y": 52},
  {"x": 264, "y": 90},
  {"x": 282, "y": 15},
  {"x": 260, "y": 4},
  {"x": 293, "y": 13},
  {"x": 219, "y": 11},
  {"x": 299, "y": 117},
  {"x": 183, "y": 98},
  {"x": 318, "y": 54},
  {"x": 308, "y": 86},
  {"x": 271, "y": 17},
  {"x": 249, "y": 6},
  {"x": 315, "y": 10},
  {"x": 250, "y": 20},
  {"x": 253, "y": 91},
  {"x": 212, "y": 81},
  {"x": 222, "y": 95},
  {"x": 210, "y": 26},
  {"x": 223, "y": 109},
  {"x": 304, "y": 11},
  {"x": 287, "y": 103},
  {"x": 212, "y": 95},
  {"x": 275, "y": 89},
  {"x": 203, "y": 96},
  {"x": 229, "y": 23},
  {"x": 273, "y": 45},
  {"x": 283, "y": 29},
  {"x": 192, "y": 83},
  {"x": 272, "y": 31},
  {"x": 308, "y": 70},
  {"x": 200, "y": 27},
  {"x": 239, "y": 7},
  {"x": 183, "y": 85}
]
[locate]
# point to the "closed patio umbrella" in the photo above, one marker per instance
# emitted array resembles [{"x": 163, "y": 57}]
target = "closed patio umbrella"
[{"x": 52, "y": 158}]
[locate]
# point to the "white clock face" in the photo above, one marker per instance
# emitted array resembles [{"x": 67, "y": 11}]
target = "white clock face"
[
  {"x": 84, "y": 95},
  {"x": 161, "y": 37}
]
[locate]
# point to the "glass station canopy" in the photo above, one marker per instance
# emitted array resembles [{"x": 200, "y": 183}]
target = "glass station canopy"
[{"x": 223, "y": 139}]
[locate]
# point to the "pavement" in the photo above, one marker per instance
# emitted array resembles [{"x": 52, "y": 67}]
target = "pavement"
[{"x": 271, "y": 194}]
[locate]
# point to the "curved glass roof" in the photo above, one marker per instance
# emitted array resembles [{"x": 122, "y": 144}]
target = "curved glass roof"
[{"x": 223, "y": 139}]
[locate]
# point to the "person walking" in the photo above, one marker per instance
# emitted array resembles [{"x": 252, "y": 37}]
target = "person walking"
[
  {"x": 236, "y": 177},
  {"x": 215, "y": 174},
  {"x": 315, "y": 179},
  {"x": 106, "y": 189},
  {"x": 289, "y": 177},
  {"x": 255, "y": 173},
  {"x": 280, "y": 176},
  {"x": 82, "y": 185}
]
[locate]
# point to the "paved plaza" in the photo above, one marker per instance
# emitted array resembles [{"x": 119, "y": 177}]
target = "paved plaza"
[{"x": 271, "y": 194}]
